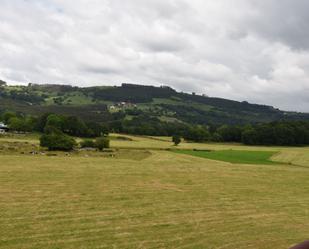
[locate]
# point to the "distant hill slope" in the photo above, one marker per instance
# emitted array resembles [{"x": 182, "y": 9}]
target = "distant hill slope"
[{"x": 129, "y": 100}]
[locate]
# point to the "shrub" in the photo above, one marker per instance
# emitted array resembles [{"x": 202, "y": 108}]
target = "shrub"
[
  {"x": 102, "y": 143},
  {"x": 87, "y": 144},
  {"x": 176, "y": 140},
  {"x": 57, "y": 142}
]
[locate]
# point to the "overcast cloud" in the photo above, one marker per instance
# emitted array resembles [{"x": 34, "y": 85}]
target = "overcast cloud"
[{"x": 254, "y": 50}]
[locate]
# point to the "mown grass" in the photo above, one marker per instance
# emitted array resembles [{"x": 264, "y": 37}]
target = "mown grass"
[
  {"x": 233, "y": 156},
  {"x": 152, "y": 199}
]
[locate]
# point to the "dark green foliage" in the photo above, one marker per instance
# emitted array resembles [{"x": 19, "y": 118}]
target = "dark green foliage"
[
  {"x": 277, "y": 133},
  {"x": 216, "y": 137},
  {"x": 24, "y": 96},
  {"x": 230, "y": 133},
  {"x": 176, "y": 140},
  {"x": 250, "y": 136},
  {"x": 59, "y": 142},
  {"x": 74, "y": 126},
  {"x": 144, "y": 125},
  {"x": 90, "y": 113},
  {"x": 197, "y": 134},
  {"x": 132, "y": 93},
  {"x": 52, "y": 130},
  {"x": 102, "y": 143},
  {"x": 55, "y": 121},
  {"x": 71, "y": 125},
  {"x": 283, "y": 133},
  {"x": 16, "y": 124},
  {"x": 97, "y": 129},
  {"x": 6, "y": 116},
  {"x": 87, "y": 144},
  {"x": 41, "y": 122}
]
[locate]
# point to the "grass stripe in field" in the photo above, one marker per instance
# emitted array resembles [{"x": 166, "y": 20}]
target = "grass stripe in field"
[{"x": 233, "y": 156}]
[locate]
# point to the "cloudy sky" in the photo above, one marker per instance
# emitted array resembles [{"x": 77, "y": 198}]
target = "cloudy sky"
[{"x": 254, "y": 50}]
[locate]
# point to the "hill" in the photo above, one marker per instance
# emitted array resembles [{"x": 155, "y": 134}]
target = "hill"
[{"x": 130, "y": 101}]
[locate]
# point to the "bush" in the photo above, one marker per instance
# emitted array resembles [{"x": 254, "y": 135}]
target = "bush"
[
  {"x": 57, "y": 142},
  {"x": 102, "y": 143},
  {"x": 176, "y": 140},
  {"x": 87, "y": 144}
]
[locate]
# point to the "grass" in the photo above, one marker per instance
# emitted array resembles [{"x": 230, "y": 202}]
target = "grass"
[
  {"x": 234, "y": 156},
  {"x": 152, "y": 198}
]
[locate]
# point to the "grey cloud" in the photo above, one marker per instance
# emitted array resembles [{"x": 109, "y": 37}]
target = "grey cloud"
[
  {"x": 254, "y": 50},
  {"x": 285, "y": 21},
  {"x": 100, "y": 70}
]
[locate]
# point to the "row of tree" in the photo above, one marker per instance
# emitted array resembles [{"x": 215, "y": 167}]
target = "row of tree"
[
  {"x": 49, "y": 122},
  {"x": 276, "y": 133},
  {"x": 281, "y": 133},
  {"x": 58, "y": 130}
]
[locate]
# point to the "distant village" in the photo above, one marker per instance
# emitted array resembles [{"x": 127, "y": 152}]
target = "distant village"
[{"x": 122, "y": 105}]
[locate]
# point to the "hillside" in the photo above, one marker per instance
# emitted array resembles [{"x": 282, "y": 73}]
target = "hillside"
[{"x": 129, "y": 101}]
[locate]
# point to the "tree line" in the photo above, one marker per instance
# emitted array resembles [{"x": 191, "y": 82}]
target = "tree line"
[
  {"x": 282, "y": 133},
  {"x": 48, "y": 122}
]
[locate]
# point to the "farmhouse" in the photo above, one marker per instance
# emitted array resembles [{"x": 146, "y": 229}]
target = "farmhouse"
[{"x": 3, "y": 128}]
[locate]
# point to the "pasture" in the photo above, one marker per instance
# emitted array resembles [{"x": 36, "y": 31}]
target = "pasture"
[
  {"x": 233, "y": 156},
  {"x": 141, "y": 195}
]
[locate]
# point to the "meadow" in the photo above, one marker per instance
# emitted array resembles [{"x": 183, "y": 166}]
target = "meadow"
[
  {"x": 233, "y": 156},
  {"x": 141, "y": 194}
]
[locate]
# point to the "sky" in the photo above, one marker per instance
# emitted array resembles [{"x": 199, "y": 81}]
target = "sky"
[{"x": 247, "y": 50}]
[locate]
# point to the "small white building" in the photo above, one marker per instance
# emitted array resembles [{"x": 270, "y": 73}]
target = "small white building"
[{"x": 3, "y": 128}]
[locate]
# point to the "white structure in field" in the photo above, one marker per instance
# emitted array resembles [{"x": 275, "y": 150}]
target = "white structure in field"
[{"x": 3, "y": 128}]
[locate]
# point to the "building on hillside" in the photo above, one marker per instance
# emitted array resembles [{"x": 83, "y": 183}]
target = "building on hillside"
[{"x": 3, "y": 128}]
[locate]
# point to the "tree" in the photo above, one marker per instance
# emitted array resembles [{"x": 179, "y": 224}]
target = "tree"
[
  {"x": 250, "y": 136},
  {"x": 75, "y": 126},
  {"x": 216, "y": 137},
  {"x": 59, "y": 142},
  {"x": 197, "y": 134},
  {"x": 102, "y": 143},
  {"x": 41, "y": 122},
  {"x": 55, "y": 121},
  {"x": 230, "y": 133},
  {"x": 96, "y": 129},
  {"x": 176, "y": 139},
  {"x": 52, "y": 130},
  {"x": 7, "y": 116},
  {"x": 20, "y": 124}
]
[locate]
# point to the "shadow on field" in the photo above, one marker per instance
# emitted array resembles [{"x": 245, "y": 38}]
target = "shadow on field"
[{"x": 304, "y": 245}]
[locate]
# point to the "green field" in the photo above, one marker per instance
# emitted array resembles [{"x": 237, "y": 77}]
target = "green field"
[
  {"x": 234, "y": 156},
  {"x": 140, "y": 195}
]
